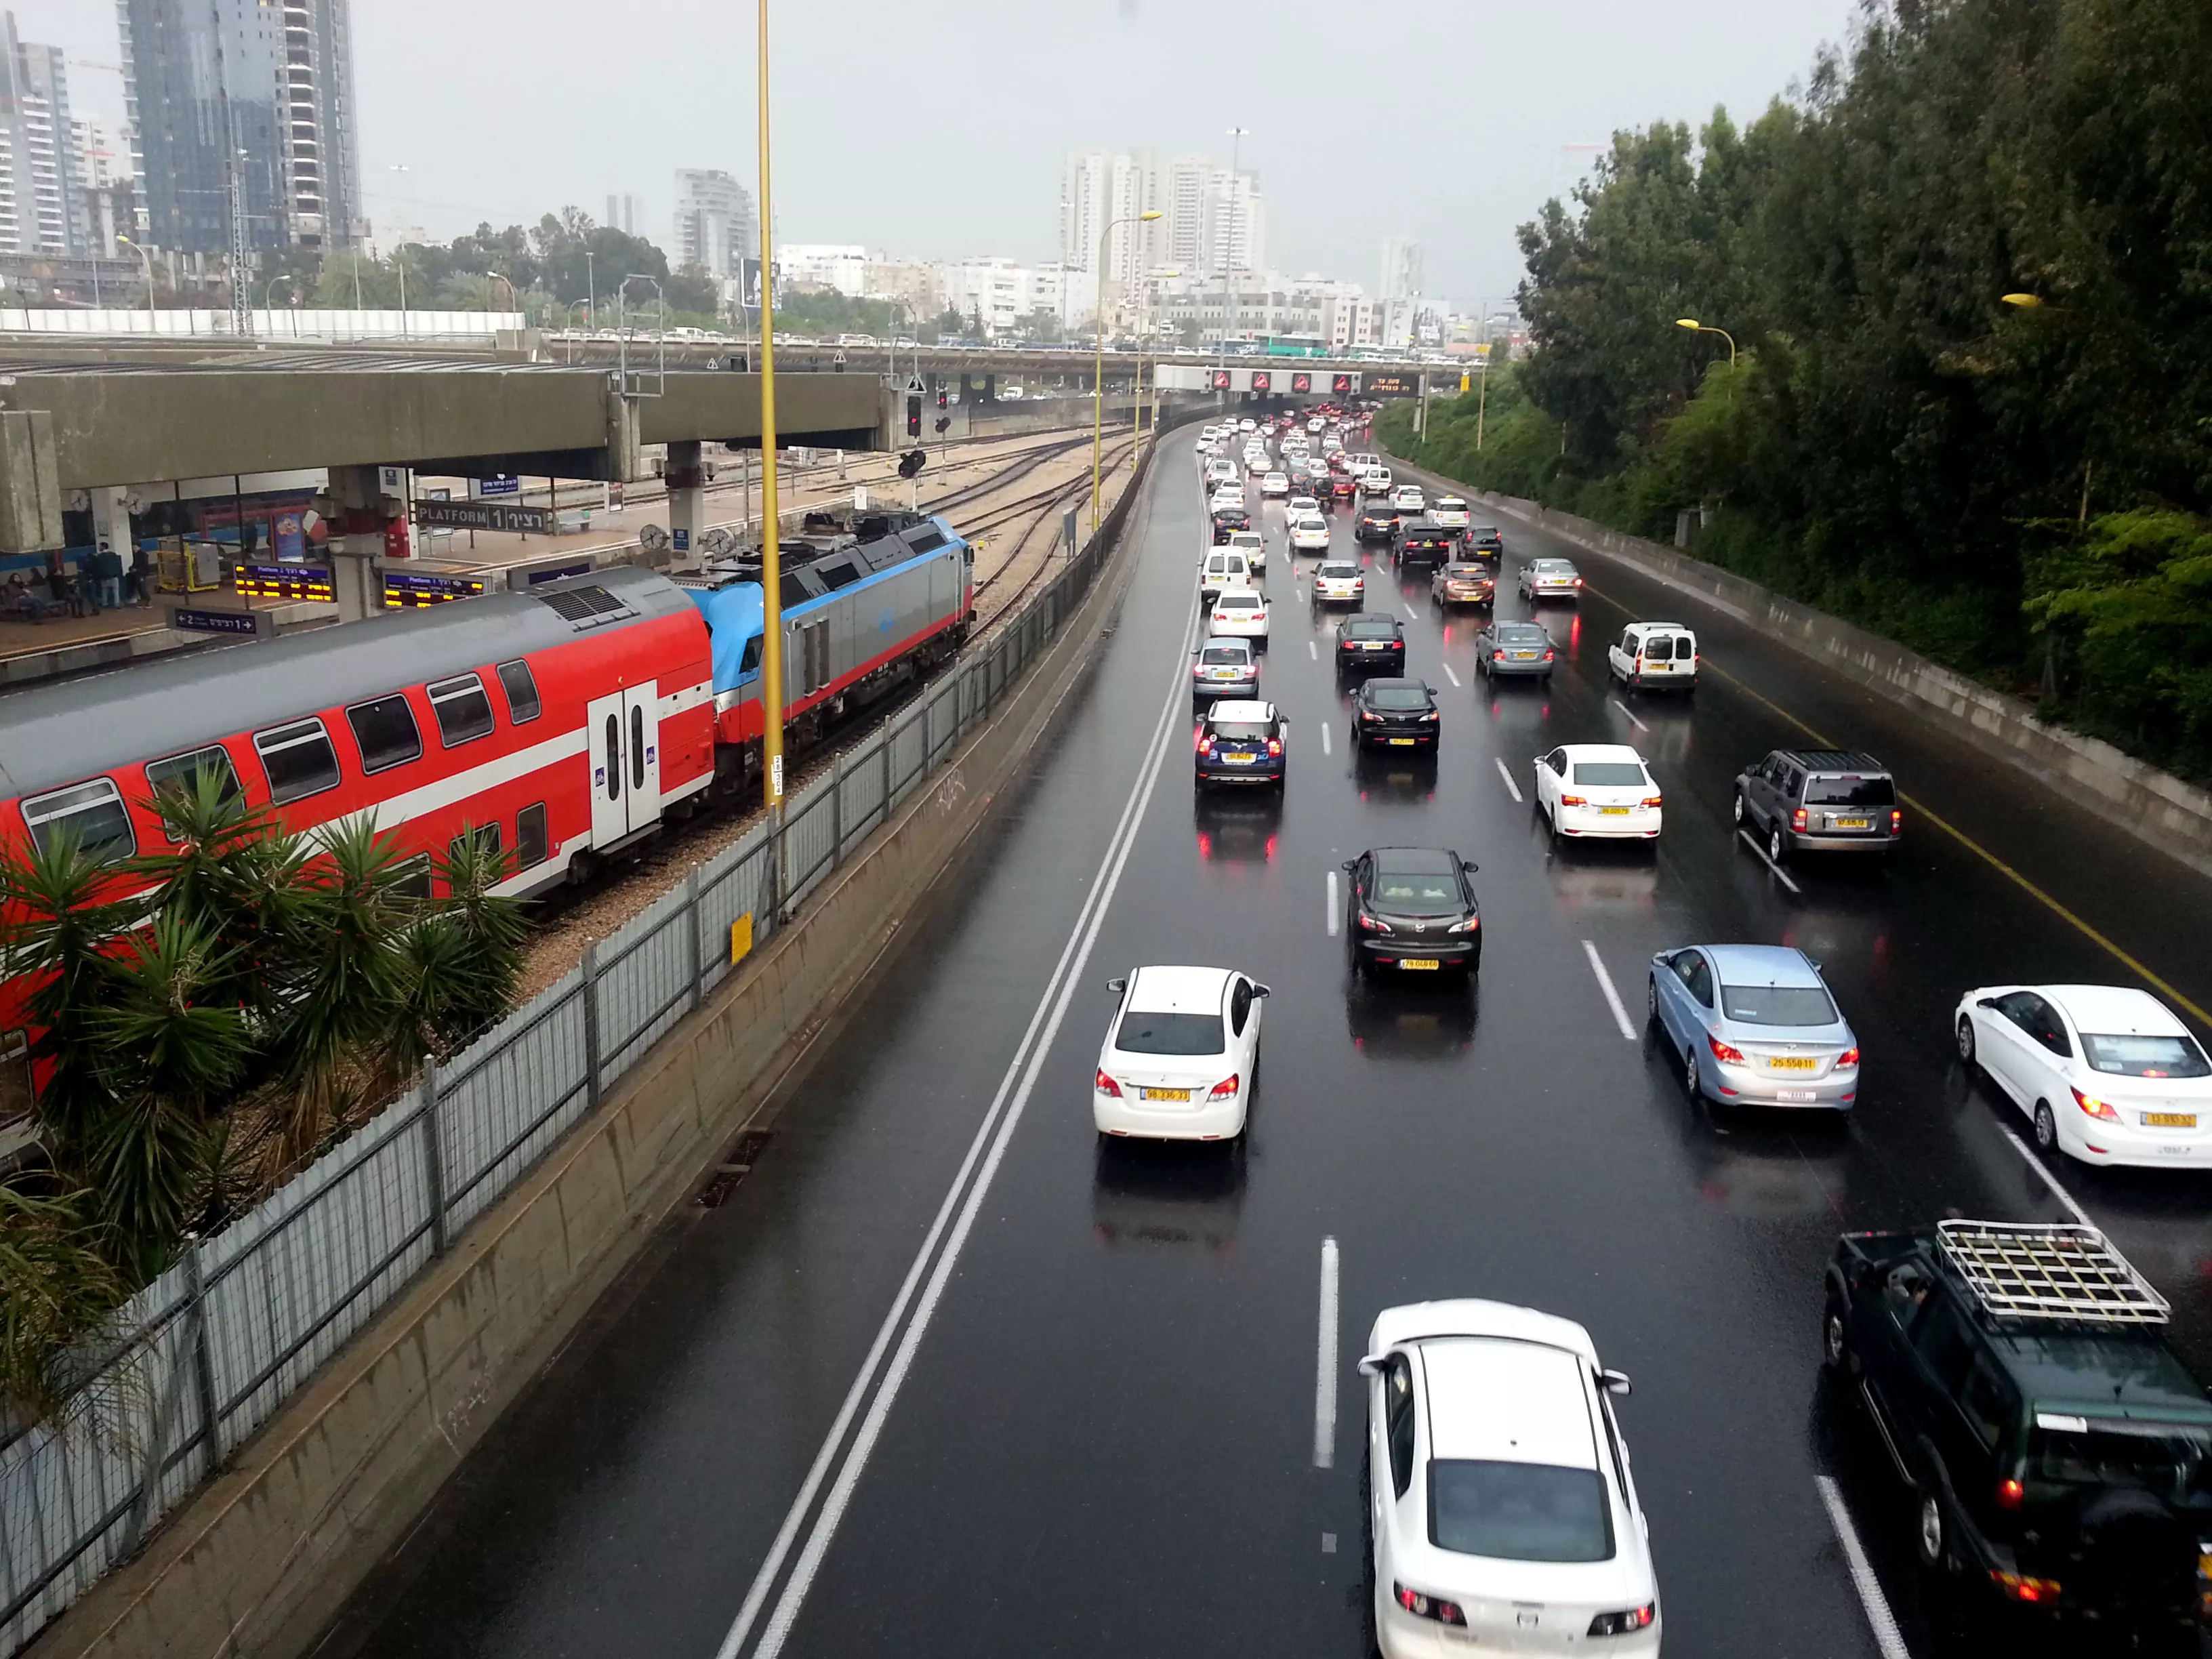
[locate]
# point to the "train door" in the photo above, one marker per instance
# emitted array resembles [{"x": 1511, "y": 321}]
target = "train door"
[{"x": 624, "y": 732}]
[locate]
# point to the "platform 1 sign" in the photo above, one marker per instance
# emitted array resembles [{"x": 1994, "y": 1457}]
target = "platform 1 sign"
[
  {"x": 482, "y": 515},
  {"x": 244, "y": 624}
]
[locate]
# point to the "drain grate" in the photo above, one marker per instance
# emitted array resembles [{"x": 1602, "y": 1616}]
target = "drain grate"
[{"x": 732, "y": 1170}]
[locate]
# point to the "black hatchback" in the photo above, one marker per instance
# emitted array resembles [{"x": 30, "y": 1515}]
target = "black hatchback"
[
  {"x": 1423, "y": 541},
  {"x": 1393, "y": 713},
  {"x": 1227, "y": 521},
  {"x": 1413, "y": 909},
  {"x": 1483, "y": 541},
  {"x": 1377, "y": 521},
  {"x": 1371, "y": 642}
]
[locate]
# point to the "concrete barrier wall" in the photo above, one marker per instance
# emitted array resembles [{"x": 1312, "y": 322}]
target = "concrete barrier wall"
[
  {"x": 258, "y": 1563},
  {"x": 2154, "y": 805}
]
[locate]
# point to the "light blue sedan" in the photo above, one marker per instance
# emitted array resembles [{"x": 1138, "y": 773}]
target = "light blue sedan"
[{"x": 1755, "y": 1026}]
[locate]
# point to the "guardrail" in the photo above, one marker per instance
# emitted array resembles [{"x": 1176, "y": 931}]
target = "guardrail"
[{"x": 211, "y": 1350}]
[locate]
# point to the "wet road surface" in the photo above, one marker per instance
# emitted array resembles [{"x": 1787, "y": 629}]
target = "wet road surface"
[{"x": 946, "y": 1374}]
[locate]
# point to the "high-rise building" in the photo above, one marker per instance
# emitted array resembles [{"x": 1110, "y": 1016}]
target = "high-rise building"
[
  {"x": 622, "y": 213},
  {"x": 714, "y": 221},
  {"x": 1404, "y": 275},
  {"x": 42, "y": 205},
  {"x": 266, "y": 83},
  {"x": 1212, "y": 221}
]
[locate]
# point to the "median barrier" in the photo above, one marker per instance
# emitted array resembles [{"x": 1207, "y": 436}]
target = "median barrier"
[{"x": 2154, "y": 805}]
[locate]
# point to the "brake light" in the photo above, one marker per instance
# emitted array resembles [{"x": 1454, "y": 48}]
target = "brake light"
[
  {"x": 1499, "y": 656},
  {"x": 1428, "y": 1606},
  {"x": 1624, "y": 1622},
  {"x": 1274, "y": 746},
  {"x": 1374, "y": 924},
  {"x": 1849, "y": 1057},
  {"x": 1549, "y": 654},
  {"x": 2021, "y": 1588},
  {"x": 2009, "y": 1494},
  {"x": 1723, "y": 1051},
  {"x": 1225, "y": 1089},
  {"x": 1578, "y": 581},
  {"x": 1798, "y": 819},
  {"x": 1106, "y": 1085},
  {"x": 1654, "y": 800},
  {"x": 2095, "y": 1108},
  {"x": 1896, "y": 821},
  {"x": 1573, "y": 800},
  {"x": 1200, "y": 743}
]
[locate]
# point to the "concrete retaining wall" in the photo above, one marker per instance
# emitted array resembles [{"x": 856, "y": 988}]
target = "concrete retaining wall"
[
  {"x": 2154, "y": 807},
  {"x": 257, "y": 1563}
]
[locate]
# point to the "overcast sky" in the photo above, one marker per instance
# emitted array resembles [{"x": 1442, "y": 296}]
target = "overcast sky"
[{"x": 936, "y": 128}]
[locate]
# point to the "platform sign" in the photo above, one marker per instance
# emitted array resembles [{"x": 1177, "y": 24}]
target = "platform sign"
[
  {"x": 411, "y": 590},
  {"x": 245, "y": 624},
  {"x": 482, "y": 515},
  {"x": 500, "y": 484},
  {"x": 311, "y": 582},
  {"x": 1389, "y": 384}
]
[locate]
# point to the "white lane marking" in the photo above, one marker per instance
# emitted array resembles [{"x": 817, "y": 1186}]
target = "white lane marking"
[
  {"x": 1324, "y": 739},
  {"x": 1752, "y": 841},
  {"x": 1325, "y": 1362},
  {"x": 1511, "y": 787},
  {"x": 2050, "y": 1180},
  {"x": 1332, "y": 904},
  {"x": 1631, "y": 712},
  {"x": 1612, "y": 997},
  {"x": 1036, "y": 1039},
  {"x": 1449, "y": 675},
  {"x": 1408, "y": 609},
  {"x": 1313, "y": 650},
  {"x": 1887, "y": 1636}
]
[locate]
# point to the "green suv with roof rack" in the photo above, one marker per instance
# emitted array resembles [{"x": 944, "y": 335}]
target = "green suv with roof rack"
[{"x": 2018, "y": 1376}]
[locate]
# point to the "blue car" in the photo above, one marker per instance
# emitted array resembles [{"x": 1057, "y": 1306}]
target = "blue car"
[{"x": 1755, "y": 1025}]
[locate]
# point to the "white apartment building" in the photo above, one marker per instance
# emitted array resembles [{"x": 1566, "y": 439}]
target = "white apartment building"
[
  {"x": 1405, "y": 274},
  {"x": 1213, "y": 221},
  {"x": 43, "y": 209},
  {"x": 841, "y": 266},
  {"x": 714, "y": 221},
  {"x": 1002, "y": 294}
]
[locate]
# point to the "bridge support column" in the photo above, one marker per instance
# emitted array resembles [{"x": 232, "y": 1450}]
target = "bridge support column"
[
  {"x": 687, "y": 504},
  {"x": 361, "y": 518}
]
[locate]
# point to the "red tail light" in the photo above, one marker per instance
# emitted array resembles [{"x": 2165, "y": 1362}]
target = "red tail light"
[
  {"x": 1798, "y": 819},
  {"x": 1549, "y": 654},
  {"x": 1499, "y": 656},
  {"x": 1200, "y": 744},
  {"x": 1723, "y": 1051},
  {"x": 1573, "y": 800},
  {"x": 1654, "y": 800},
  {"x": 2094, "y": 1108},
  {"x": 1896, "y": 821},
  {"x": 1369, "y": 924},
  {"x": 1106, "y": 1085},
  {"x": 2009, "y": 1494},
  {"x": 1428, "y": 1606},
  {"x": 1274, "y": 746},
  {"x": 1849, "y": 1057},
  {"x": 1578, "y": 581},
  {"x": 1225, "y": 1089}
]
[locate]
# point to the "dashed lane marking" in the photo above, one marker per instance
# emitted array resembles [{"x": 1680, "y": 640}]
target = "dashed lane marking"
[
  {"x": 2050, "y": 1180},
  {"x": 1332, "y": 904},
  {"x": 1631, "y": 712},
  {"x": 1752, "y": 841},
  {"x": 1449, "y": 675},
  {"x": 1511, "y": 787},
  {"x": 1612, "y": 997},
  {"x": 1324, "y": 1446}
]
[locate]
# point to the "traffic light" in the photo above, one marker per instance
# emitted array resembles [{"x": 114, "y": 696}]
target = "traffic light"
[
  {"x": 914, "y": 460},
  {"x": 913, "y": 419},
  {"x": 944, "y": 424},
  {"x": 941, "y": 398}
]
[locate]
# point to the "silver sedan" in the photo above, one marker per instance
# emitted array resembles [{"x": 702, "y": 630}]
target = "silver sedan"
[
  {"x": 1755, "y": 1025},
  {"x": 1550, "y": 579}
]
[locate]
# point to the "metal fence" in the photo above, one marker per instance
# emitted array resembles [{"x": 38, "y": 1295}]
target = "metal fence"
[{"x": 217, "y": 1343}]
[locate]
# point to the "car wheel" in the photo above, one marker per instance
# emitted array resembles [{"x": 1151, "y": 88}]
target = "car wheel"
[
  {"x": 1690, "y": 1079},
  {"x": 1835, "y": 1335},
  {"x": 2046, "y": 1127},
  {"x": 1777, "y": 848},
  {"x": 1650, "y": 1002},
  {"x": 1931, "y": 1539},
  {"x": 1736, "y": 810},
  {"x": 1966, "y": 1039}
]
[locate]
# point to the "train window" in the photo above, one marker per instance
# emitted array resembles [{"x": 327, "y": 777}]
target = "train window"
[
  {"x": 386, "y": 733},
  {"x": 748, "y": 665},
  {"x": 17, "y": 1093},
  {"x": 637, "y": 749},
  {"x": 464, "y": 712},
  {"x": 412, "y": 878},
  {"x": 614, "y": 757},
  {"x": 486, "y": 836},
  {"x": 530, "y": 839},
  {"x": 299, "y": 760},
  {"x": 92, "y": 813},
  {"x": 180, "y": 771},
  {"x": 521, "y": 691}
]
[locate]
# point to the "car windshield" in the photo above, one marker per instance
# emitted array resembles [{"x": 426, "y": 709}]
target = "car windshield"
[
  {"x": 1850, "y": 791},
  {"x": 1146, "y": 1032},
  {"x": 1311, "y": 524},
  {"x": 2146, "y": 1056},
  {"x": 1418, "y": 893},
  {"x": 1552, "y": 568},
  {"x": 1519, "y": 1512},
  {"x": 1244, "y": 731},
  {"x": 2172, "y": 1460},
  {"x": 1619, "y": 775},
  {"x": 1382, "y": 628},
  {"x": 1223, "y": 655},
  {"x": 1778, "y": 1005},
  {"x": 1397, "y": 697},
  {"x": 1521, "y": 634}
]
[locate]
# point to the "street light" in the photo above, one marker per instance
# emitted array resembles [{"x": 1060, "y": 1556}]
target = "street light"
[
  {"x": 1098, "y": 368},
  {"x": 1236, "y": 137},
  {"x": 1697, "y": 327},
  {"x": 148, "y": 259},
  {"x": 771, "y": 548}
]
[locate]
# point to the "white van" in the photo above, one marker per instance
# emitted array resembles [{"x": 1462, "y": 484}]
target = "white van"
[
  {"x": 1653, "y": 655},
  {"x": 1225, "y": 567}
]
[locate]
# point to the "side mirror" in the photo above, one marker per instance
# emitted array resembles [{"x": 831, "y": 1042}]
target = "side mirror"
[
  {"x": 1118, "y": 986},
  {"x": 1351, "y": 864},
  {"x": 1263, "y": 990},
  {"x": 1615, "y": 1381},
  {"x": 1986, "y": 1002},
  {"x": 1372, "y": 1364},
  {"x": 1470, "y": 868}
]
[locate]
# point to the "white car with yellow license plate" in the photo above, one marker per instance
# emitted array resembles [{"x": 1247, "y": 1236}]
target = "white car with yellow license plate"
[
  {"x": 1178, "y": 1060},
  {"x": 1408, "y": 498},
  {"x": 1598, "y": 792},
  {"x": 1298, "y": 505},
  {"x": 1274, "y": 484},
  {"x": 2105, "y": 1073},
  {"x": 1222, "y": 566},
  {"x": 1550, "y": 579},
  {"x": 1339, "y": 581},
  {"x": 1450, "y": 512},
  {"x": 1657, "y": 655},
  {"x": 1253, "y": 545},
  {"x": 1376, "y": 481},
  {"x": 1501, "y": 1501},
  {"x": 1239, "y": 613},
  {"x": 1309, "y": 532}
]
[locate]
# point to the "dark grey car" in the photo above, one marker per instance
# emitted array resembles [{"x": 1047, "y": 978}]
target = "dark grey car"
[
  {"x": 1515, "y": 648},
  {"x": 1829, "y": 799}
]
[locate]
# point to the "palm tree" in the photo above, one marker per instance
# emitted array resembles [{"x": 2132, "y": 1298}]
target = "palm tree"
[{"x": 58, "y": 928}]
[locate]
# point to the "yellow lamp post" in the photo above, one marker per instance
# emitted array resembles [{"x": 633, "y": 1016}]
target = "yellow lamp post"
[
  {"x": 771, "y": 551},
  {"x": 1098, "y": 365},
  {"x": 147, "y": 259},
  {"x": 1697, "y": 327}
]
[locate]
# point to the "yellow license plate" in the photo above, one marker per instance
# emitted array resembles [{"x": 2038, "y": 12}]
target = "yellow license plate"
[
  {"x": 1793, "y": 1064},
  {"x": 2169, "y": 1119},
  {"x": 1614, "y": 812},
  {"x": 1854, "y": 824},
  {"x": 1428, "y": 963},
  {"x": 1401, "y": 743},
  {"x": 1164, "y": 1093}
]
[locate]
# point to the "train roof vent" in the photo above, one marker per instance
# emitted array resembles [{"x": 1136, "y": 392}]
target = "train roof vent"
[
  {"x": 927, "y": 542},
  {"x": 587, "y": 607}
]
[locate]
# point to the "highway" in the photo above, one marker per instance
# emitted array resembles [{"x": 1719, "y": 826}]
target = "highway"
[{"x": 943, "y": 1374}]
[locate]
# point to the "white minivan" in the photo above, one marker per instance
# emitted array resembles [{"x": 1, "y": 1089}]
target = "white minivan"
[{"x": 1225, "y": 567}]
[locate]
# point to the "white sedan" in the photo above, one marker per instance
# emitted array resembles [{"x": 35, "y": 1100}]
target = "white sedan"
[
  {"x": 1308, "y": 533},
  {"x": 1226, "y": 495},
  {"x": 2105, "y": 1073},
  {"x": 1178, "y": 1060},
  {"x": 1275, "y": 484},
  {"x": 1598, "y": 792},
  {"x": 1407, "y": 498},
  {"x": 1301, "y": 504},
  {"x": 1239, "y": 613},
  {"x": 1503, "y": 1512},
  {"x": 1339, "y": 582}
]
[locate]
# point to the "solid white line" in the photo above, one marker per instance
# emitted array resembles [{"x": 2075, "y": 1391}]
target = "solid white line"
[
  {"x": 1061, "y": 980},
  {"x": 1324, "y": 739},
  {"x": 1449, "y": 675},
  {"x": 1313, "y": 650},
  {"x": 1752, "y": 841},
  {"x": 1325, "y": 1362},
  {"x": 833, "y": 1507},
  {"x": 1631, "y": 712},
  {"x": 1511, "y": 787},
  {"x": 2048, "y": 1180},
  {"x": 1332, "y": 904},
  {"x": 1887, "y": 1636},
  {"x": 1612, "y": 996}
]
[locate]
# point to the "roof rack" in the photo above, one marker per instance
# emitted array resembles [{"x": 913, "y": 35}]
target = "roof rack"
[{"x": 2019, "y": 1270}]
